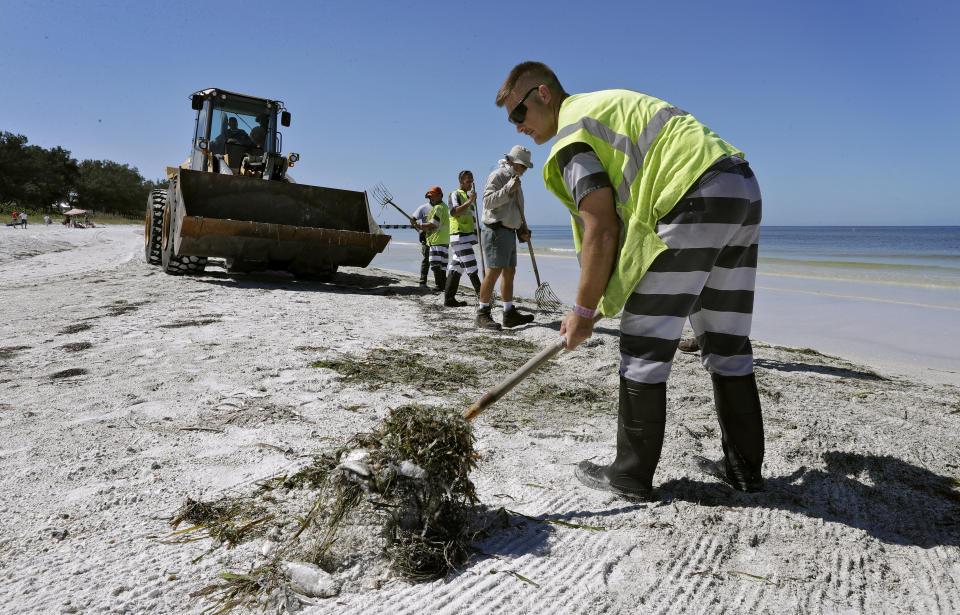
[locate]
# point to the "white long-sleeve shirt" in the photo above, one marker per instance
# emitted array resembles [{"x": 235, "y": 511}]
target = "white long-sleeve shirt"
[{"x": 499, "y": 204}]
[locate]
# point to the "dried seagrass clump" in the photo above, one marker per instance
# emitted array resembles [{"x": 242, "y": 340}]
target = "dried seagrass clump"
[
  {"x": 399, "y": 497},
  {"x": 430, "y": 529},
  {"x": 417, "y": 468},
  {"x": 229, "y": 521}
]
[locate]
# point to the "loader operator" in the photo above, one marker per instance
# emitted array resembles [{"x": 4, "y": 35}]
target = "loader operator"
[
  {"x": 232, "y": 134},
  {"x": 463, "y": 236},
  {"x": 666, "y": 221}
]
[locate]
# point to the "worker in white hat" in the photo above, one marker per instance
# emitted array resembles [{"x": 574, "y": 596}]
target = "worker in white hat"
[{"x": 503, "y": 223}]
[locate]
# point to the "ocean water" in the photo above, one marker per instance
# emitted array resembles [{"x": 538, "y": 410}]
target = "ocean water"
[
  {"x": 921, "y": 256},
  {"x": 885, "y": 296}
]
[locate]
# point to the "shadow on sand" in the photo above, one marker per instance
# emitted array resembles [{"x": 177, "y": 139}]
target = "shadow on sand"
[
  {"x": 530, "y": 534},
  {"x": 888, "y": 498},
  {"x": 347, "y": 282},
  {"x": 842, "y": 372}
]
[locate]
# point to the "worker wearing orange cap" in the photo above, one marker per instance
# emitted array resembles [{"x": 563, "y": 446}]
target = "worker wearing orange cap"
[
  {"x": 420, "y": 216},
  {"x": 436, "y": 230}
]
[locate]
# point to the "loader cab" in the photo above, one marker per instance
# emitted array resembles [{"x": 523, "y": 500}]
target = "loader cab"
[{"x": 236, "y": 134}]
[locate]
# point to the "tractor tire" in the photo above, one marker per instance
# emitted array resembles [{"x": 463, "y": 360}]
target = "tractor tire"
[
  {"x": 177, "y": 265},
  {"x": 153, "y": 227}
]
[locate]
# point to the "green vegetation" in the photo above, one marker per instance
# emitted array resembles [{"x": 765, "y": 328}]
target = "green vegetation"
[
  {"x": 570, "y": 395},
  {"x": 229, "y": 521},
  {"x": 37, "y": 180},
  {"x": 390, "y": 365},
  {"x": 496, "y": 348}
]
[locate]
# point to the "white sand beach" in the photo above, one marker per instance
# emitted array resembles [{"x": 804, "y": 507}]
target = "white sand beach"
[{"x": 124, "y": 391}]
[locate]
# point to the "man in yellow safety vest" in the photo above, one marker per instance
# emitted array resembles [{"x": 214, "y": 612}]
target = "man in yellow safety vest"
[{"x": 666, "y": 218}]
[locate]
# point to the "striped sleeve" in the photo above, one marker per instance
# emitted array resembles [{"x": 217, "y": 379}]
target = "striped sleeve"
[{"x": 581, "y": 170}]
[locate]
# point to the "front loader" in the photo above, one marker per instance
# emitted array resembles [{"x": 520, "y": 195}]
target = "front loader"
[{"x": 233, "y": 199}]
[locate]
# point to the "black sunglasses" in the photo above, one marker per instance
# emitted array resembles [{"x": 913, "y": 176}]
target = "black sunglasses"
[{"x": 519, "y": 113}]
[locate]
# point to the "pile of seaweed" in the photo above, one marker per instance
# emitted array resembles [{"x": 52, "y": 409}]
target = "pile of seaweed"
[{"x": 401, "y": 494}]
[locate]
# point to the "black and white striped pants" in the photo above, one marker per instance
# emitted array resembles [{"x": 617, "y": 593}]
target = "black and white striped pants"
[
  {"x": 438, "y": 257},
  {"x": 707, "y": 273},
  {"x": 463, "y": 260}
]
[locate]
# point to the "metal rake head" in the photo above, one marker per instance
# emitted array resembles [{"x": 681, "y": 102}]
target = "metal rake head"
[
  {"x": 382, "y": 195},
  {"x": 547, "y": 300}
]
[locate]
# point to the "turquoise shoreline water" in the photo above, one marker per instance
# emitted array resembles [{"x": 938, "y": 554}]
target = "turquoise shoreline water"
[
  {"x": 908, "y": 256},
  {"x": 880, "y": 295}
]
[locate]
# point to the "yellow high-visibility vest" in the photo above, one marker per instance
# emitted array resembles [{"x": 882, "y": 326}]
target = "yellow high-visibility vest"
[
  {"x": 440, "y": 235},
  {"x": 462, "y": 225},
  {"x": 652, "y": 153}
]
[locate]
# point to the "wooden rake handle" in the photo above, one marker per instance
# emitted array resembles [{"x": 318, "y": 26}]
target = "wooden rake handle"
[
  {"x": 476, "y": 221},
  {"x": 492, "y": 396},
  {"x": 412, "y": 221},
  {"x": 536, "y": 272},
  {"x": 533, "y": 260}
]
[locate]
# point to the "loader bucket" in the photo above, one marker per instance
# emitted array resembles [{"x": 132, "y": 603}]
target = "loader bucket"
[{"x": 290, "y": 226}]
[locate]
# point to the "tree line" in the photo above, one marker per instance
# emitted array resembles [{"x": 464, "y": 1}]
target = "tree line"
[{"x": 42, "y": 179}]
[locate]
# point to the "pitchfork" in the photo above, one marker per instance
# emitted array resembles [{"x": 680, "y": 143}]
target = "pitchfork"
[
  {"x": 547, "y": 300},
  {"x": 383, "y": 195}
]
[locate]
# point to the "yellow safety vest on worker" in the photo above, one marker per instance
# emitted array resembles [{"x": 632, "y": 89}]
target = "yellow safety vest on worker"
[
  {"x": 441, "y": 235},
  {"x": 461, "y": 225},
  {"x": 652, "y": 153}
]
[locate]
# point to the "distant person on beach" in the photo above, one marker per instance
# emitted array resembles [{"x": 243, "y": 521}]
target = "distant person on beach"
[
  {"x": 47, "y": 220},
  {"x": 16, "y": 219},
  {"x": 23, "y": 219},
  {"x": 463, "y": 236},
  {"x": 438, "y": 237},
  {"x": 666, "y": 222},
  {"x": 503, "y": 223},
  {"x": 437, "y": 231}
]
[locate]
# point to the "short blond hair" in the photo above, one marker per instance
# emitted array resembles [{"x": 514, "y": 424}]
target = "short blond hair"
[{"x": 527, "y": 75}]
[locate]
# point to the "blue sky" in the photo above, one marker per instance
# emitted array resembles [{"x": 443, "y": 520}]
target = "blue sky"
[{"x": 847, "y": 110}]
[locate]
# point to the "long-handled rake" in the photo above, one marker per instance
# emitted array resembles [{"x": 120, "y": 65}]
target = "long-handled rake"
[
  {"x": 547, "y": 300},
  {"x": 476, "y": 225},
  {"x": 383, "y": 195},
  {"x": 494, "y": 394}
]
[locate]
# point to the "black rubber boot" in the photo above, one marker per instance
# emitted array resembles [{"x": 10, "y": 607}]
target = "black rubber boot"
[
  {"x": 450, "y": 292},
  {"x": 440, "y": 278},
  {"x": 424, "y": 263},
  {"x": 513, "y": 318},
  {"x": 475, "y": 280},
  {"x": 643, "y": 413},
  {"x": 741, "y": 428},
  {"x": 485, "y": 321}
]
